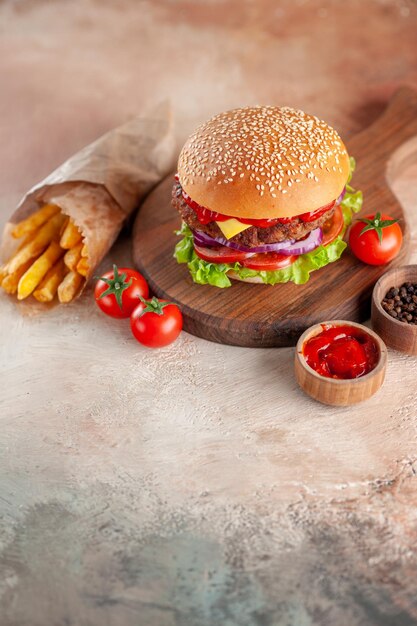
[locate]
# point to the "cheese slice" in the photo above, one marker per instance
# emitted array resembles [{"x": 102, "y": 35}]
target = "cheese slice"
[{"x": 232, "y": 227}]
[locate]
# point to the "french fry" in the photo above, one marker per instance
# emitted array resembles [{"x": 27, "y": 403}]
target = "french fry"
[
  {"x": 47, "y": 233},
  {"x": 82, "y": 266},
  {"x": 29, "y": 237},
  {"x": 64, "y": 225},
  {"x": 69, "y": 287},
  {"x": 73, "y": 256},
  {"x": 84, "y": 251},
  {"x": 33, "y": 276},
  {"x": 11, "y": 281},
  {"x": 71, "y": 236},
  {"x": 34, "y": 221},
  {"x": 47, "y": 289},
  {"x": 3, "y": 273}
]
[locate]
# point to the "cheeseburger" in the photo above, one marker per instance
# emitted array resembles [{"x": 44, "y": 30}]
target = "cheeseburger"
[{"x": 264, "y": 196}]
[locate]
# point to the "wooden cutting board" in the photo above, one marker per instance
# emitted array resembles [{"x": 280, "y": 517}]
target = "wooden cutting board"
[{"x": 264, "y": 315}]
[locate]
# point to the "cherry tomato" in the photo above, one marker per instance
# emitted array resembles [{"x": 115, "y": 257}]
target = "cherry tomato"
[
  {"x": 222, "y": 254},
  {"x": 376, "y": 239},
  {"x": 268, "y": 261},
  {"x": 156, "y": 323},
  {"x": 117, "y": 293},
  {"x": 333, "y": 227}
]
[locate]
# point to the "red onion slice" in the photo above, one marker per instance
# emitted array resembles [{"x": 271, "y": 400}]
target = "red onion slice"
[
  {"x": 291, "y": 246},
  {"x": 202, "y": 239},
  {"x": 311, "y": 242},
  {"x": 340, "y": 198}
]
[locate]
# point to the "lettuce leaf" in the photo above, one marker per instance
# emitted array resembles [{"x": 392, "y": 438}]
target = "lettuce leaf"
[
  {"x": 352, "y": 200},
  {"x": 206, "y": 273}
]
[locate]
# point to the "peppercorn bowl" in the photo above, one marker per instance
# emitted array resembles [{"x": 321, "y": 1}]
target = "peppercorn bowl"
[
  {"x": 329, "y": 388},
  {"x": 394, "y": 308}
]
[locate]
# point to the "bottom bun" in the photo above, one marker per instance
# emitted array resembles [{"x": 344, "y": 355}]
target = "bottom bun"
[{"x": 250, "y": 279}]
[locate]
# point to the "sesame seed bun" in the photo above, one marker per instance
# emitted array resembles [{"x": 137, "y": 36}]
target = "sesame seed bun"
[{"x": 263, "y": 162}]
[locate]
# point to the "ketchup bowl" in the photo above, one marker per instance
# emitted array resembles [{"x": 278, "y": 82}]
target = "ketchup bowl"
[{"x": 340, "y": 363}]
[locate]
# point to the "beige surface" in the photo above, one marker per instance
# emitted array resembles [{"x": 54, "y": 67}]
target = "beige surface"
[{"x": 194, "y": 485}]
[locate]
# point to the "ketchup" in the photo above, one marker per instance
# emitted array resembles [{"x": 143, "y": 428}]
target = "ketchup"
[
  {"x": 341, "y": 352},
  {"x": 205, "y": 216}
]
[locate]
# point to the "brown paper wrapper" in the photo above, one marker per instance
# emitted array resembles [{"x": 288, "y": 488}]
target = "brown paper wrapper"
[{"x": 100, "y": 186}]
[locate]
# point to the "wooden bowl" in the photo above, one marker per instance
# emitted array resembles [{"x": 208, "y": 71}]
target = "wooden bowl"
[
  {"x": 335, "y": 391},
  {"x": 397, "y": 335}
]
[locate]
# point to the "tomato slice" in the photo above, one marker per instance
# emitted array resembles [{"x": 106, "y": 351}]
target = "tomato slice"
[
  {"x": 333, "y": 227},
  {"x": 222, "y": 254},
  {"x": 268, "y": 261}
]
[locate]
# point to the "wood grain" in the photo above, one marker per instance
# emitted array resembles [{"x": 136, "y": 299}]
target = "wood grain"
[
  {"x": 397, "y": 335},
  {"x": 338, "y": 392},
  {"x": 264, "y": 315}
]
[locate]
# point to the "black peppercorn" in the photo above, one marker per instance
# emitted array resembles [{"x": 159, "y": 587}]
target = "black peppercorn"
[{"x": 401, "y": 303}]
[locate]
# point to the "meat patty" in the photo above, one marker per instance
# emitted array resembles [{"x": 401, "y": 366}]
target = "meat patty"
[{"x": 253, "y": 236}]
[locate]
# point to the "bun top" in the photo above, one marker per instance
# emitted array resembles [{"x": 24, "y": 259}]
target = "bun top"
[{"x": 263, "y": 162}]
